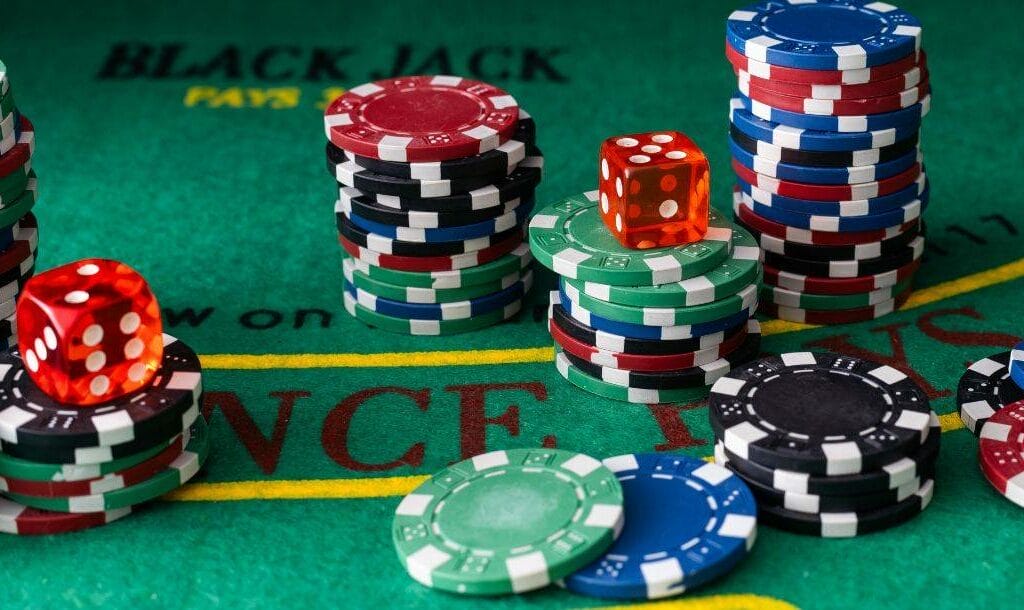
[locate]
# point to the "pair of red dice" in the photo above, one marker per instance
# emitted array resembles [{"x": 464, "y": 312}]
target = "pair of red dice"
[
  {"x": 89, "y": 332},
  {"x": 654, "y": 189}
]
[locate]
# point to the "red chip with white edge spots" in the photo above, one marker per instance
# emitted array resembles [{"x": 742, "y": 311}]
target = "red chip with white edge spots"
[
  {"x": 1001, "y": 451},
  {"x": 421, "y": 118},
  {"x": 89, "y": 331}
]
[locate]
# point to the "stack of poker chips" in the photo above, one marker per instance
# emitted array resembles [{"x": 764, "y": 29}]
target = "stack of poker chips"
[
  {"x": 65, "y": 468},
  {"x": 824, "y": 138},
  {"x": 990, "y": 399},
  {"x": 647, "y": 326},
  {"x": 18, "y": 192},
  {"x": 830, "y": 445},
  {"x": 436, "y": 178},
  {"x": 644, "y": 526}
]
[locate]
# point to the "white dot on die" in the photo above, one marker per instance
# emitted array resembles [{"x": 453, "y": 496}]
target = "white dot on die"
[
  {"x": 605, "y": 206},
  {"x": 133, "y": 349},
  {"x": 88, "y": 269},
  {"x": 76, "y": 297},
  {"x": 651, "y": 149},
  {"x": 618, "y": 187},
  {"x": 668, "y": 208},
  {"x": 661, "y": 138},
  {"x": 50, "y": 337},
  {"x": 626, "y": 142},
  {"x": 137, "y": 372},
  {"x": 93, "y": 335},
  {"x": 99, "y": 385},
  {"x": 40, "y": 349},
  {"x": 675, "y": 154},
  {"x": 618, "y": 222},
  {"x": 95, "y": 361},
  {"x": 130, "y": 322},
  {"x": 640, "y": 159},
  {"x": 31, "y": 362},
  {"x": 605, "y": 172}
]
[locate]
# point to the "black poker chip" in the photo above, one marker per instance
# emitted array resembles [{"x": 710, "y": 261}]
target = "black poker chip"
[
  {"x": 984, "y": 389},
  {"x": 38, "y": 428},
  {"x": 602, "y": 340},
  {"x": 351, "y": 174},
  {"x": 846, "y": 268},
  {"x": 367, "y": 208},
  {"x": 819, "y": 413},
  {"x": 855, "y": 158},
  {"x": 518, "y": 184},
  {"x": 671, "y": 380},
  {"x": 500, "y": 161},
  {"x": 816, "y": 252},
  {"x": 385, "y": 245}
]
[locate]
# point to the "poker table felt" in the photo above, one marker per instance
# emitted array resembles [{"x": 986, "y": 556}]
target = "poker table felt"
[{"x": 201, "y": 165}]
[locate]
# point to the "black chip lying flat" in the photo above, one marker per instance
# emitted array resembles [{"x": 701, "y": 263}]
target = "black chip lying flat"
[
  {"x": 775, "y": 245},
  {"x": 366, "y": 207},
  {"x": 855, "y": 158},
  {"x": 984, "y": 389},
  {"x": 33, "y": 426},
  {"x": 385, "y": 245},
  {"x": 819, "y": 413},
  {"x": 838, "y": 268}
]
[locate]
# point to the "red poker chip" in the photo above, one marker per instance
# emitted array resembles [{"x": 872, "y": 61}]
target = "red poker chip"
[
  {"x": 1001, "y": 451},
  {"x": 911, "y": 78},
  {"x": 827, "y": 192},
  {"x": 117, "y": 480},
  {"x": 421, "y": 118},
  {"x": 645, "y": 362},
  {"x": 22, "y": 151},
  {"x": 848, "y": 107},
  {"x": 432, "y": 263},
  {"x": 823, "y": 77},
  {"x": 24, "y": 521},
  {"x": 20, "y": 252},
  {"x": 846, "y": 316},
  {"x": 815, "y": 237},
  {"x": 838, "y": 286}
]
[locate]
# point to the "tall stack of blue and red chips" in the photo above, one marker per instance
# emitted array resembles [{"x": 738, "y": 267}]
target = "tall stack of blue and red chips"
[
  {"x": 824, "y": 138},
  {"x": 990, "y": 400},
  {"x": 101, "y": 408},
  {"x": 19, "y": 237},
  {"x": 436, "y": 176}
]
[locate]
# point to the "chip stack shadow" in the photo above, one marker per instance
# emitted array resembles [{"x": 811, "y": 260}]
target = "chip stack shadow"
[
  {"x": 825, "y": 143},
  {"x": 436, "y": 178}
]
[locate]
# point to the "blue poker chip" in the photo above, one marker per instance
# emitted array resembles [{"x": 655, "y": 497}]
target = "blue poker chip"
[
  {"x": 806, "y": 139},
  {"x": 824, "y": 34},
  {"x": 1017, "y": 364},
  {"x": 854, "y": 207},
  {"x": 687, "y": 522},
  {"x": 641, "y": 331},
  {"x": 824, "y": 175},
  {"x": 505, "y": 222},
  {"x": 823, "y": 222},
  {"x": 904, "y": 117},
  {"x": 459, "y": 310}
]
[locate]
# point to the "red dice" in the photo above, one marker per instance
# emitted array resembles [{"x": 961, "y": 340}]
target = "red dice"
[
  {"x": 90, "y": 331},
  {"x": 654, "y": 189}
]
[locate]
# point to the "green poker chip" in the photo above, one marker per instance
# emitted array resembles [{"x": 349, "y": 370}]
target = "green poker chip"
[
  {"x": 13, "y": 185},
  {"x": 9, "y": 214},
  {"x": 828, "y": 302},
  {"x": 570, "y": 238},
  {"x": 741, "y": 269},
  {"x": 508, "y": 521},
  {"x": 7, "y": 105},
  {"x": 621, "y": 393},
  {"x": 667, "y": 316},
  {"x": 411, "y": 294},
  {"x": 181, "y": 470},
  {"x": 428, "y": 327},
  {"x": 515, "y": 261}
]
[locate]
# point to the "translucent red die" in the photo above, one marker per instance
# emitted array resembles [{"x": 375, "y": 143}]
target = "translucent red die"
[
  {"x": 654, "y": 189},
  {"x": 89, "y": 331}
]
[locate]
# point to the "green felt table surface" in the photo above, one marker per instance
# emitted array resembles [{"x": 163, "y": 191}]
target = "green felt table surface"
[{"x": 186, "y": 139}]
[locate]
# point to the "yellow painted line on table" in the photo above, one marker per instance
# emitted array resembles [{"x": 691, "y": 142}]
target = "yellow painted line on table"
[
  {"x": 736, "y": 601},
  {"x": 529, "y": 355},
  {"x": 344, "y": 489}
]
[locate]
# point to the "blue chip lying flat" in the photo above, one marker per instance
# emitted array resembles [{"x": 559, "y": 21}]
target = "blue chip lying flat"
[
  {"x": 823, "y": 222},
  {"x": 903, "y": 118},
  {"x": 851, "y": 207},
  {"x": 1017, "y": 364},
  {"x": 825, "y": 34},
  {"x": 687, "y": 522},
  {"x": 460, "y": 310}
]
